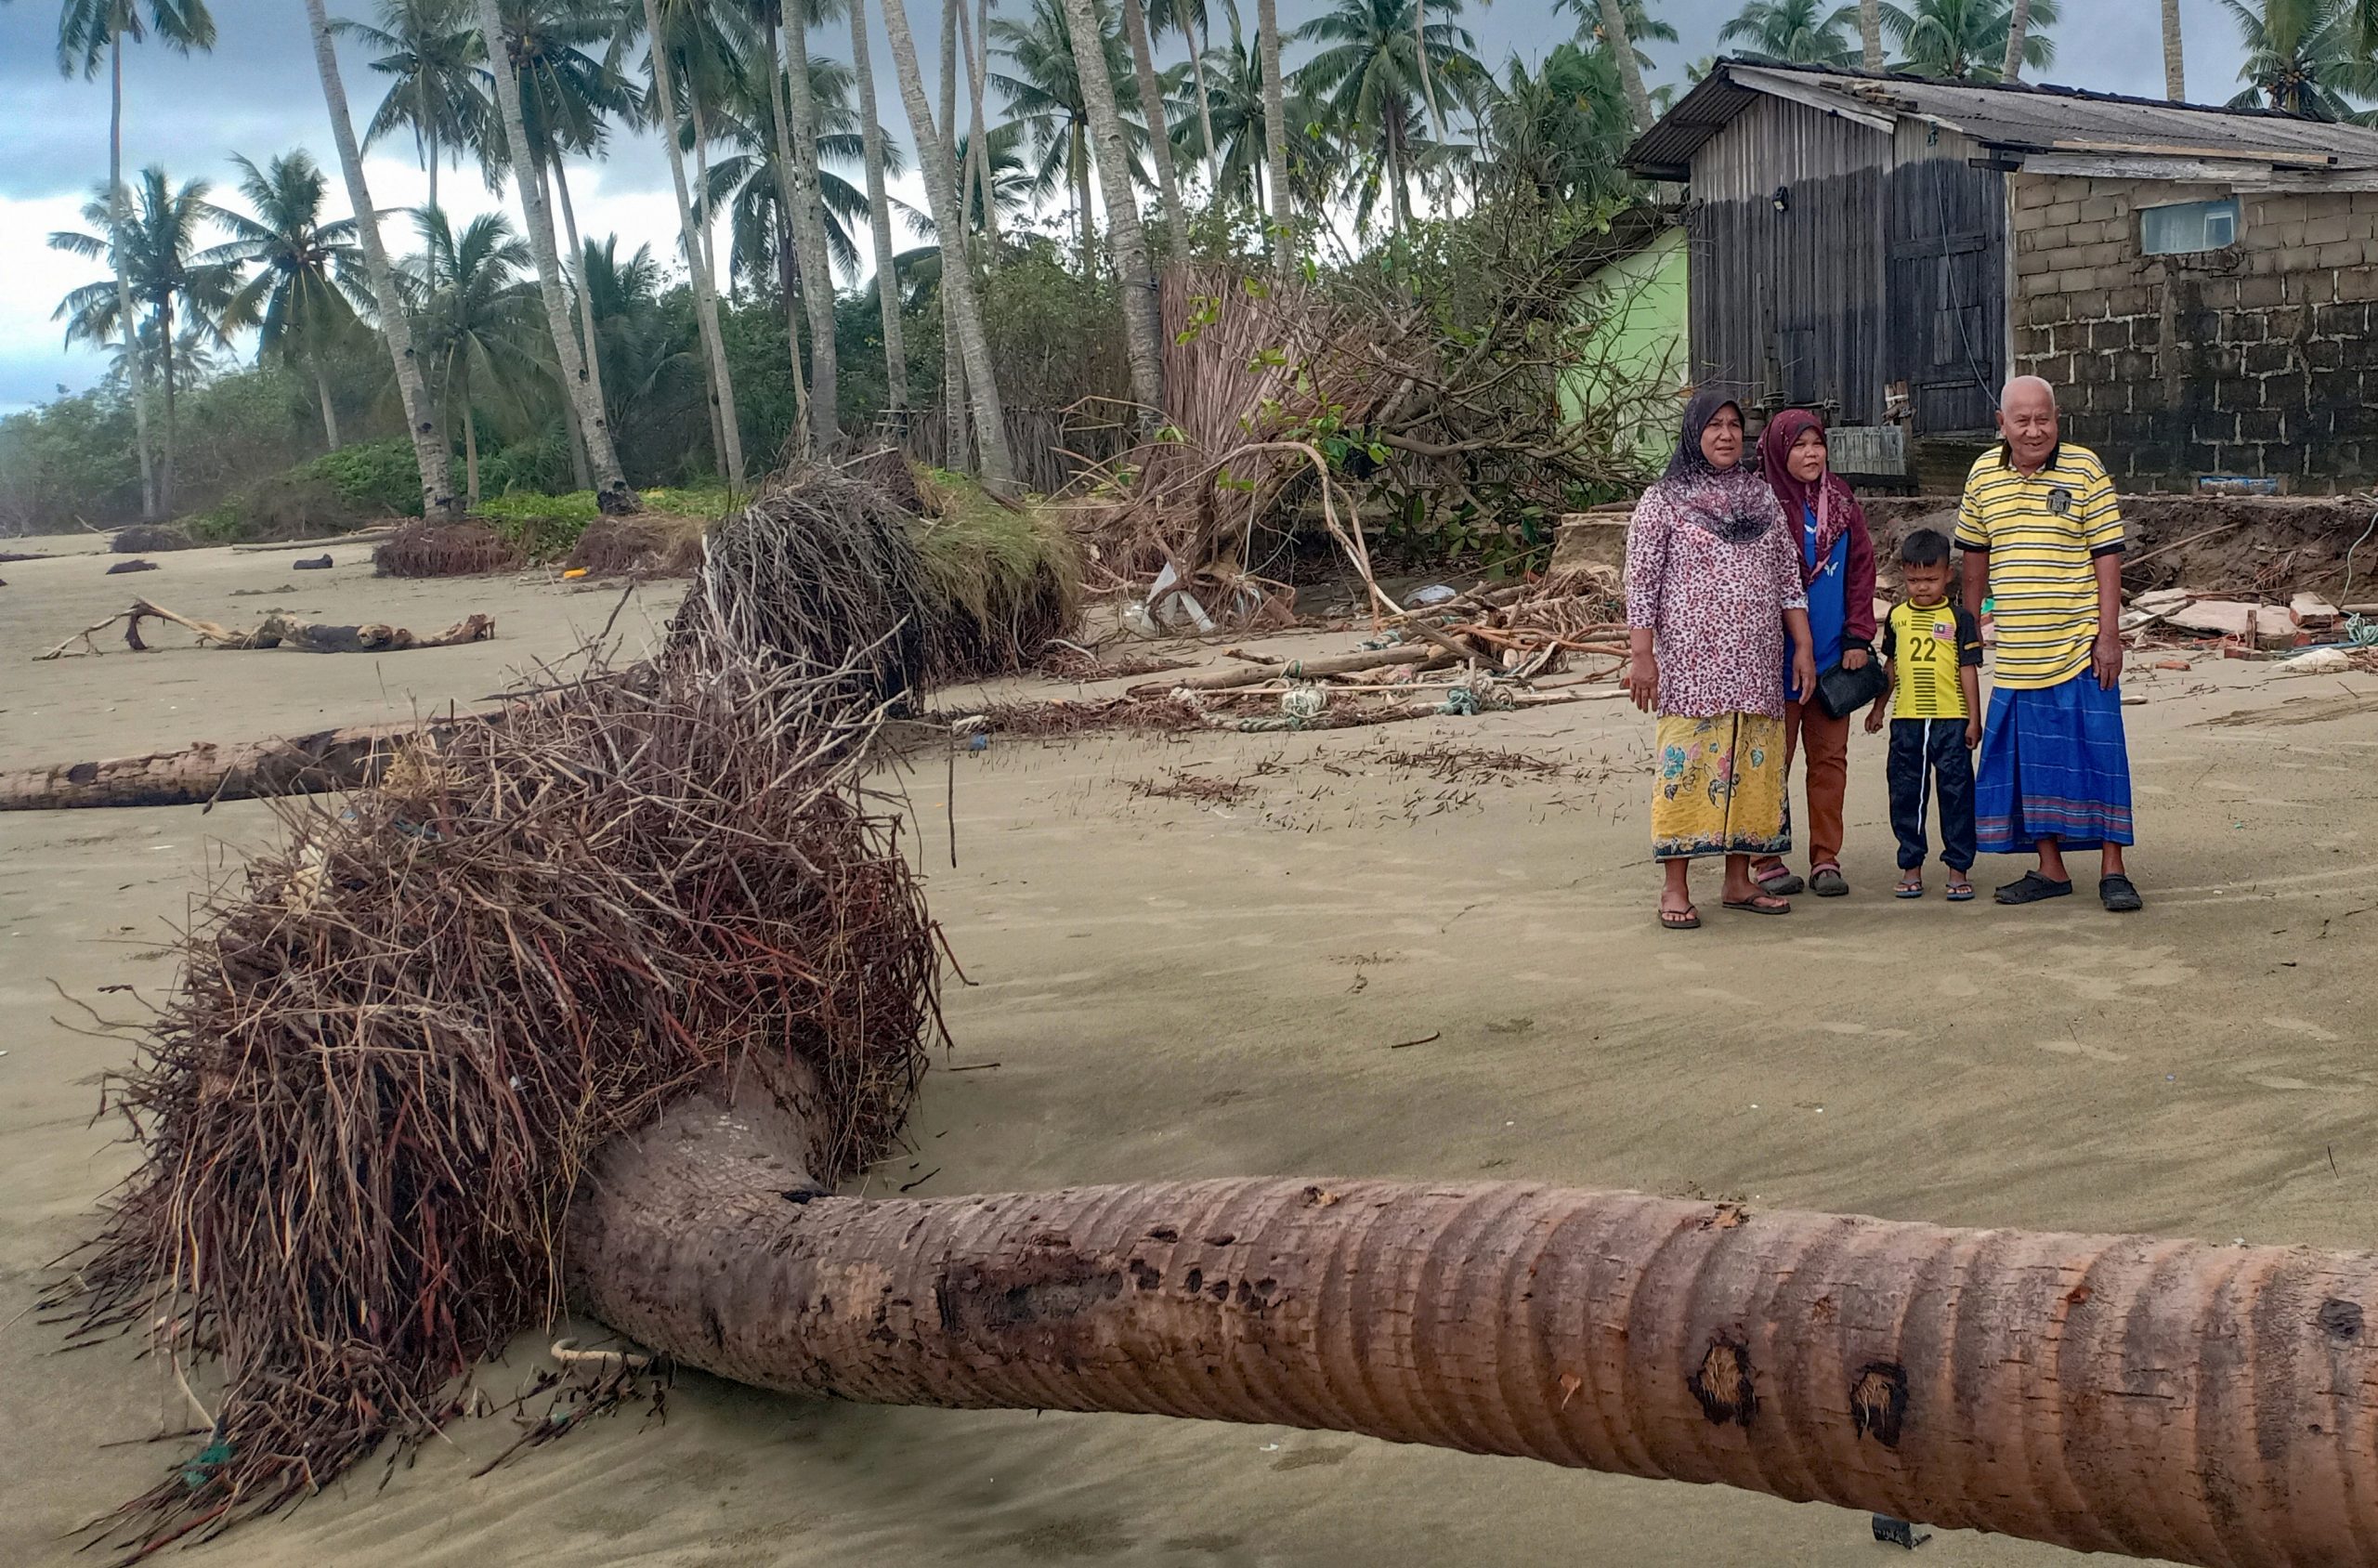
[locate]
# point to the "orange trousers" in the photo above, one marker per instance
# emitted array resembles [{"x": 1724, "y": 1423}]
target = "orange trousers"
[{"x": 1811, "y": 733}]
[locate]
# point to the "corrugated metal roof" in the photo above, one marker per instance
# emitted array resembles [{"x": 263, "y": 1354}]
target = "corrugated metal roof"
[{"x": 2017, "y": 118}]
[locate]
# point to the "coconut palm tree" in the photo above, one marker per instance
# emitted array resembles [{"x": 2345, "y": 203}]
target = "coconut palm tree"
[
  {"x": 2018, "y": 23},
  {"x": 1630, "y": 24},
  {"x": 1802, "y": 31},
  {"x": 878, "y": 214},
  {"x": 1241, "y": 152},
  {"x": 1966, "y": 40},
  {"x": 1142, "y": 336},
  {"x": 429, "y": 446},
  {"x": 655, "y": 372},
  {"x": 1044, "y": 92},
  {"x": 1276, "y": 133},
  {"x": 309, "y": 284},
  {"x": 432, "y": 57},
  {"x": 975, "y": 179},
  {"x": 792, "y": 99},
  {"x": 743, "y": 184},
  {"x": 1559, "y": 132},
  {"x": 477, "y": 313},
  {"x": 610, "y": 485},
  {"x": 92, "y": 33},
  {"x": 1367, "y": 72},
  {"x": 1152, "y": 112},
  {"x": 1188, "y": 19},
  {"x": 175, "y": 290},
  {"x": 1870, "y": 33},
  {"x": 1621, "y": 42},
  {"x": 2303, "y": 57},
  {"x": 2176, "y": 70},
  {"x": 958, "y": 282},
  {"x": 659, "y": 36}
]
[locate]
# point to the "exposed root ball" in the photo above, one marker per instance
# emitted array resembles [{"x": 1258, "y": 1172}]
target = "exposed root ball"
[
  {"x": 401, "y": 1035},
  {"x": 444, "y": 549},
  {"x": 637, "y": 547},
  {"x": 819, "y": 575},
  {"x": 1006, "y": 580}
]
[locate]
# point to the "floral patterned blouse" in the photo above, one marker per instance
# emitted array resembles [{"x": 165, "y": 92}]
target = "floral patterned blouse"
[{"x": 1711, "y": 569}]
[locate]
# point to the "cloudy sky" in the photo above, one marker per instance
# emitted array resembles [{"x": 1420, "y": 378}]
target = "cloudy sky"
[{"x": 258, "y": 94}]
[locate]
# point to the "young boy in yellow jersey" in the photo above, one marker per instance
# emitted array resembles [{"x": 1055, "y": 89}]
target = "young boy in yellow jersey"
[{"x": 1932, "y": 654}]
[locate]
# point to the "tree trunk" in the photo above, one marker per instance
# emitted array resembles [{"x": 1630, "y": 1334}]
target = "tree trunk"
[
  {"x": 330, "y": 412},
  {"x": 578, "y": 282},
  {"x": 2176, "y": 70},
  {"x": 1275, "y": 134},
  {"x": 1399, "y": 195},
  {"x": 722, "y": 385},
  {"x": 1196, "y": 40},
  {"x": 878, "y": 215},
  {"x": 785, "y": 250},
  {"x": 1870, "y": 33},
  {"x": 298, "y": 764},
  {"x": 2106, "y": 1393},
  {"x": 429, "y": 448},
  {"x": 1142, "y": 334},
  {"x": 956, "y": 427},
  {"x": 701, "y": 184},
  {"x": 470, "y": 451},
  {"x": 611, "y": 492},
  {"x": 433, "y": 171},
  {"x": 2019, "y": 22},
  {"x": 1622, "y": 53},
  {"x": 1077, "y": 145},
  {"x": 1428, "y": 78},
  {"x": 809, "y": 233},
  {"x": 166, "y": 364},
  {"x": 1159, "y": 127},
  {"x": 978, "y": 146},
  {"x": 120, "y": 218},
  {"x": 957, "y": 280}
]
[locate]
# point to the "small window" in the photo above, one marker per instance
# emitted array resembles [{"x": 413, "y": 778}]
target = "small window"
[{"x": 2188, "y": 226}]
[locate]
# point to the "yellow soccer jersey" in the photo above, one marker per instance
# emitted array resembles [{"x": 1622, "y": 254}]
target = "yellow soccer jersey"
[{"x": 1926, "y": 646}]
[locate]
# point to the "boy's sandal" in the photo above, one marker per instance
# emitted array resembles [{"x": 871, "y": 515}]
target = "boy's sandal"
[
  {"x": 1761, "y": 904},
  {"x": 1960, "y": 890},
  {"x": 1826, "y": 881},
  {"x": 2117, "y": 894},
  {"x": 1908, "y": 887},
  {"x": 1686, "y": 919},
  {"x": 2031, "y": 888}
]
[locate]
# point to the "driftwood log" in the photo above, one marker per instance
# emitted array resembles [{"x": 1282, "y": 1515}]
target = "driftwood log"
[
  {"x": 282, "y": 632},
  {"x": 2173, "y": 1399},
  {"x": 297, "y": 765}
]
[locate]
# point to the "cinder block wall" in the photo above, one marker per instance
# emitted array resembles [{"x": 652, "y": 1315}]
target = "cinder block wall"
[{"x": 2262, "y": 358}]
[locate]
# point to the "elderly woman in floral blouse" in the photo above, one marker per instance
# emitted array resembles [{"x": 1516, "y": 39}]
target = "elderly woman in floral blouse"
[{"x": 1713, "y": 590}]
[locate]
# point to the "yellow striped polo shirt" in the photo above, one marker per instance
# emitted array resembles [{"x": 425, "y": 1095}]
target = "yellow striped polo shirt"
[{"x": 2043, "y": 532}]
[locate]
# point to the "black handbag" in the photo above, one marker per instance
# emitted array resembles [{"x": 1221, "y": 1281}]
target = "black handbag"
[{"x": 1841, "y": 691}]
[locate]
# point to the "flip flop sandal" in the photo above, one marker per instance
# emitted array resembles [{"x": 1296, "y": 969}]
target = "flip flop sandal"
[
  {"x": 2031, "y": 888},
  {"x": 1909, "y": 887},
  {"x": 2117, "y": 894},
  {"x": 1686, "y": 919},
  {"x": 1779, "y": 880},
  {"x": 1826, "y": 881},
  {"x": 1960, "y": 891},
  {"x": 1759, "y": 904}
]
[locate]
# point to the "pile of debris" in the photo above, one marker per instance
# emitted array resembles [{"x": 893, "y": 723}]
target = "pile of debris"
[{"x": 2241, "y": 626}]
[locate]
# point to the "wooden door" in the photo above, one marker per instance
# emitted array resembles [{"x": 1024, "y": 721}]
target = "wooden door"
[{"x": 1947, "y": 293}]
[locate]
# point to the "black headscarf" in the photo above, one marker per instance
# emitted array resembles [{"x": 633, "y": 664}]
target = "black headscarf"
[{"x": 1734, "y": 504}]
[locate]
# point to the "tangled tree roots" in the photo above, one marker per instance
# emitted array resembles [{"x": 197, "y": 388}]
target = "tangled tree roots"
[
  {"x": 819, "y": 576},
  {"x": 1006, "y": 580},
  {"x": 444, "y": 549},
  {"x": 399, "y": 1040}
]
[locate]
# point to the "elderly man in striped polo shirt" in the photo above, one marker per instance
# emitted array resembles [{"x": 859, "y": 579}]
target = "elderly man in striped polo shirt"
[{"x": 2043, "y": 537}]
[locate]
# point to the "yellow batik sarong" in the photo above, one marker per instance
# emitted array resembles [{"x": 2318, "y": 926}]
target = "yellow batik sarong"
[{"x": 1721, "y": 788}]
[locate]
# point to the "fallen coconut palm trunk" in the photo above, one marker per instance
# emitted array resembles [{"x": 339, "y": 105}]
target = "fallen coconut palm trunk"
[
  {"x": 298, "y": 764},
  {"x": 2170, "y": 1399}
]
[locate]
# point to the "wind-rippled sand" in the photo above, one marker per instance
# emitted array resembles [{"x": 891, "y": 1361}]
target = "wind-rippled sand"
[{"x": 1176, "y": 988}]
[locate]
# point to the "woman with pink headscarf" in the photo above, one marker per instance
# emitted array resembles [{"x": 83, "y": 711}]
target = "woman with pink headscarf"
[{"x": 1836, "y": 556}]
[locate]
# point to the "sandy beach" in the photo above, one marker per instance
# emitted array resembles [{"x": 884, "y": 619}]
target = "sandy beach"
[{"x": 1157, "y": 987}]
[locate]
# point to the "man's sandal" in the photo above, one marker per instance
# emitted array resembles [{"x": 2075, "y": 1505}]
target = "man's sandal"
[
  {"x": 1686, "y": 919},
  {"x": 1826, "y": 881},
  {"x": 2031, "y": 888},
  {"x": 2119, "y": 895},
  {"x": 1778, "y": 879},
  {"x": 1908, "y": 887}
]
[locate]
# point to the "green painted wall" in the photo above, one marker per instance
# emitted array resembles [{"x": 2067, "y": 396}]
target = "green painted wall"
[{"x": 1642, "y": 343}]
